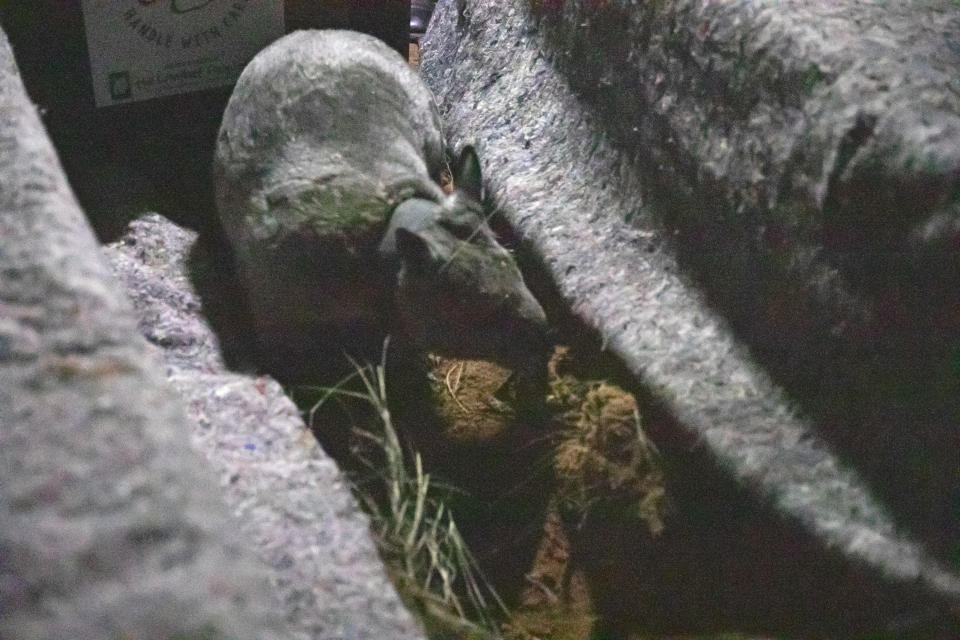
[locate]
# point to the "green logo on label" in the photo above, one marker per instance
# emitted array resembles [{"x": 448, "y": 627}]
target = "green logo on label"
[{"x": 120, "y": 88}]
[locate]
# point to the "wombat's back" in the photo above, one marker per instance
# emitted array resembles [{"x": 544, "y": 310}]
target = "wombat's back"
[{"x": 323, "y": 115}]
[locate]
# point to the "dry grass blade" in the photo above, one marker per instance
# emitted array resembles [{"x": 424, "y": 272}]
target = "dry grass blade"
[
  {"x": 415, "y": 530},
  {"x": 452, "y": 388}
]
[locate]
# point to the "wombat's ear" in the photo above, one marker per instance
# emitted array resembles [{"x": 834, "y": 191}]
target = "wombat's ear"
[
  {"x": 466, "y": 175},
  {"x": 414, "y": 250}
]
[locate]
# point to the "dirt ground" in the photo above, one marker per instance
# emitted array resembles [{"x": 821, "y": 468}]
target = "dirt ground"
[{"x": 555, "y": 488}]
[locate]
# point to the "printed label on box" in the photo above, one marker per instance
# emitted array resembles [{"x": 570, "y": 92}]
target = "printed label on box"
[{"x": 141, "y": 49}]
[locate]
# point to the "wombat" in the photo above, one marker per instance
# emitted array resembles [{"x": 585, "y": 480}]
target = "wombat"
[{"x": 326, "y": 175}]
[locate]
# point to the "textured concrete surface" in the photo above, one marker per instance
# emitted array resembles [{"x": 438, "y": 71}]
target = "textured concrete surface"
[
  {"x": 578, "y": 191},
  {"x": 110, "y": 526},
  {"x": 803, "y": 159},
  {"x": 288, "y": 495}
]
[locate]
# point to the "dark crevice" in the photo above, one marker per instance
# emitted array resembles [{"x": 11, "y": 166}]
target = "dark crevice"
[
  {"x": 861, "y": 131},
  {"x": 716, "y": 528}
]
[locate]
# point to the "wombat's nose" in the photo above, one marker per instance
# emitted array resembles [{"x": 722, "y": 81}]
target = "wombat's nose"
[
  {"x": 532, "y": 312},
  {"x": 539, "y": 332}
]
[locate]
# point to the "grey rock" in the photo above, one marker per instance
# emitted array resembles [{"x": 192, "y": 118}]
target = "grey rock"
[
  {"x": 109, "y": 524},
  {"x": 604, "y": 145},
  {"x": 326, "y": 133},
  {"x": 288, "y": 496}
]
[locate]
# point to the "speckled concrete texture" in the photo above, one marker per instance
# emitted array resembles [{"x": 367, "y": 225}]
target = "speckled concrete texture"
[
  {"x": 288, "y": 496},
  {"x": 110, "y": 526},
  {"x": 563, "y": 171},
  {"x": 802, "y": 157}
]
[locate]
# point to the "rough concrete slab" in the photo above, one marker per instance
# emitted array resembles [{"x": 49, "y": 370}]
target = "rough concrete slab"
[
  {"x": 110, "y": 526},
  {"x": 287, "y": 494},
  {"x": 592, "y": 212}
]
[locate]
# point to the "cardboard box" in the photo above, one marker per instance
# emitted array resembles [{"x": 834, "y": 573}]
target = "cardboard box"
[{"x": 132, "y": 91}]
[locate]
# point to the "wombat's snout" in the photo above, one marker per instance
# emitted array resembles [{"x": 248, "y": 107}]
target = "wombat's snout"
[
  {"x": 531, "y": 311},
  {"x": 536, "y": 332}
]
